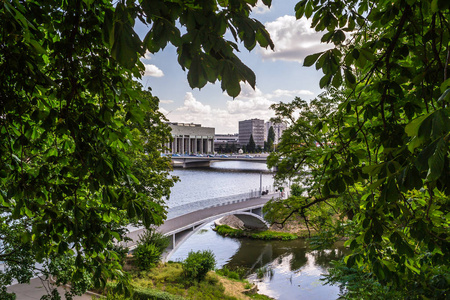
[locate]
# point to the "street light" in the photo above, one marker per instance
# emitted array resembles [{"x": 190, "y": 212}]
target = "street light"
[{"x": 260, "y": 184}]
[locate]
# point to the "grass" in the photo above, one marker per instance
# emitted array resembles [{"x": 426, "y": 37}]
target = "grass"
[
  {"x": 169, "y": 278},
  {"x": 226, "y": 230}
]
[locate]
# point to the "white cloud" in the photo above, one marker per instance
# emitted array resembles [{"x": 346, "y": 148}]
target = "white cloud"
[
  {"x": 163, "y": 110},
  {"x": 147, "y": 55},
  {"x": 247, "y": 92},
  {"x": 248, "y": 105},
  {"x": 224, "y": 120},
  {"x": 152, "y": 70},
  {"x": 290, "y": 93},
  {"x": 294, "y": 39},
  {"x": 166, "y": 101},
  {"x": 192, "y": 106},
  {"x": 260, "y": 8},
  {"x": 252, "y": 106}
]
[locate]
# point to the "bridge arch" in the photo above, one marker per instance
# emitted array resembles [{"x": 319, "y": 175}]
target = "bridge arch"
[
  {"x": 252, "y": 219},
  {"x": 183, "y": 224}
]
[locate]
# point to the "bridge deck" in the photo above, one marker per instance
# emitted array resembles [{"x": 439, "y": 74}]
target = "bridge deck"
[
  {"x": 218, "y": 158},
  {"x": 199, "y": 216}
]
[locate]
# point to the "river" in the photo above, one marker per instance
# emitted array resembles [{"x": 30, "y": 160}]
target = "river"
[{"x": 291, "y": 270}]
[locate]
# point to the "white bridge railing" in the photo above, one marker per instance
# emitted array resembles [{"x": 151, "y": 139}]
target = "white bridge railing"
[{"x": 183, "y": 209}]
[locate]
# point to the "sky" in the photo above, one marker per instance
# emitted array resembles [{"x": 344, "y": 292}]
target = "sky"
[{"x": 280, "y": 75}]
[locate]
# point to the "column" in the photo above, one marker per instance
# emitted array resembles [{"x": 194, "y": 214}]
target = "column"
[
  {"x": 176, "y": 145},
  {"x": 201, "y": 145},
  {"x": 182, "y": 145},
  {"x": 189, "y": 145}
]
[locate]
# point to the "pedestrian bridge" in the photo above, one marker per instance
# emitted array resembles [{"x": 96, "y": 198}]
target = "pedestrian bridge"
[{"x": 185, "y": 220}]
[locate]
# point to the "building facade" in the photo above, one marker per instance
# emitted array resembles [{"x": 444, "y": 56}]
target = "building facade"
[
  {"x": 253, "y": 127},
  {"x": 225, "y": 142},
  {"x": 191, "y": 138},
  {"x": 278, "y": 128}
]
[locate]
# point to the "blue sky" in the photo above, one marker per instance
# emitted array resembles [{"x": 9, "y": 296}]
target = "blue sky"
[{"x": 280, "y": 75}]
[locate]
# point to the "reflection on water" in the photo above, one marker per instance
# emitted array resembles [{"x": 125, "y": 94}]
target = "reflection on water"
[{"x": 292, "y": 271}]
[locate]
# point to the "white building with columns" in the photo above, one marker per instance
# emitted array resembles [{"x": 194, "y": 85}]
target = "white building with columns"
[{"x": 191, "y": 138}]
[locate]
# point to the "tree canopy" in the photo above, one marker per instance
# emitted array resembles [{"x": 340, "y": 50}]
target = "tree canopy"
[
  {"x": 80, "y": 139},
  {"x": 270, "y": 139},
  {"x": 251, "y": 146},
  {"x": 372, "y": 153}
]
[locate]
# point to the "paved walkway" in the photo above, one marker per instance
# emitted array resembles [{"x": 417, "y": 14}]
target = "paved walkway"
[
  {"x": 195, "y": 217},
  {"x": 35, "y": 290}
]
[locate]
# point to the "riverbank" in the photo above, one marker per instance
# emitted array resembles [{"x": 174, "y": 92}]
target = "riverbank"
[
  {"x": 231, "y": 226},
  {"x": 167, "y": 281}
]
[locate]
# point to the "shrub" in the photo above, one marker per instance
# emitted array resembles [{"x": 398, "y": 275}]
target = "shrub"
[
  {"x": 150, "y": 294},
  {"x": 198, "y": 264},
  {"x": 155, "y": 238},
  {"x": 226, "y": 230},
  {"x": 236, "y": 274},
  {"x": 147, "y": 256}
]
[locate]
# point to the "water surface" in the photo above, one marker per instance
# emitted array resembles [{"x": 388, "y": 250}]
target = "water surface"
[{"x": 291, "y": 269}]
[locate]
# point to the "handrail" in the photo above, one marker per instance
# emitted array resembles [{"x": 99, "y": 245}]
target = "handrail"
[{"x": 183, "y": 209}]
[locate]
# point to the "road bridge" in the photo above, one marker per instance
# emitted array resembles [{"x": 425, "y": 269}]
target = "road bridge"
[
  {"x": 179, "y": 228},
  {"x": 205, "y": 161}
]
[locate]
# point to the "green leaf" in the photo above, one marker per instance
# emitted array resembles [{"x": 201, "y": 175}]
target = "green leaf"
[
  {"x": 349, "y": 77},
  {"x": 412, "y": 129},
  {"x": 311, "y": 59},
  {"x": 423, "y": 157},
  {"x": 445, "y": 86},
  {"x": 373, "y": 169},
  {"x": 126, "y": 44},
  {"x": 444, "y": 96},
  {"x": 325, "y": 81},
  {"x": 196, "y": 74},
  {"x": 376, "y": 184},
  {"x": 436, "y": 161}
]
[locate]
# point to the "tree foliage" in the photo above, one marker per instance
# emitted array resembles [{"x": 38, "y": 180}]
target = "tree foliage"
[
  {"x": 197, "y": 264},
  {"x": 80, "y": 139},
  {"x": 270, "y": 139},
  {"x": 251, "y": 146},
  {"x": 372, "y": 153}
]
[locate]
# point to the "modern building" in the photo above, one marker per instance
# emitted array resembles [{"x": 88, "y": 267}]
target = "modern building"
[
  {"x": 253, "y": 127},
  {"x": 191, "y": 138},
  {"x": 278, "y": 129},
  {"x": 224, "y": 142}
]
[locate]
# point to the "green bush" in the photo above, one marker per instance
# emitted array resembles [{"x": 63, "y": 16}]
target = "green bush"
[
  {"x": 198, "y": 264},
  {"x": 146, "y": 256},
  {"x": 155, "y": 238},
  {"x": 226, "y": 230},
  {"x": 236, "y": 274},
  {"x": 151, "y": 294}
]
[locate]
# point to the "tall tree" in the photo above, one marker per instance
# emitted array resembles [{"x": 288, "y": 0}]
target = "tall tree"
[
  {"x": 376, "y": 151},
  {"x": 251, "y": 146},
  {"x": 80, "y": 138},
  {"x": 270, "y": 139}
]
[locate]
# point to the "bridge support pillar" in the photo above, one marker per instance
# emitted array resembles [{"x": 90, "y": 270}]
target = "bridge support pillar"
[
  {"x": 257, "y": 211},
  {"x": 196, "y": 164}
]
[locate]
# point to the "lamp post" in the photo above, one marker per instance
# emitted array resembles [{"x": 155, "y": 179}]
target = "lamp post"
[{"x": 260, "y": 184}]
